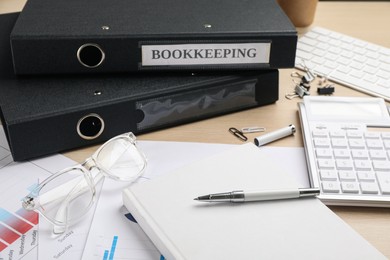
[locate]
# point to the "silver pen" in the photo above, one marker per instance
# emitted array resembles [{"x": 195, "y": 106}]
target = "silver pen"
[{"x": 243, "y": 196}]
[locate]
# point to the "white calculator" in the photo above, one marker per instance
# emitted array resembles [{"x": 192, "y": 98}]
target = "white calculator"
[{"x": 347, "y": 145}]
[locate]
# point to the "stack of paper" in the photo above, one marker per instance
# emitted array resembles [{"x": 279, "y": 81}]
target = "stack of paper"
[{"x": 182, "y": 228}]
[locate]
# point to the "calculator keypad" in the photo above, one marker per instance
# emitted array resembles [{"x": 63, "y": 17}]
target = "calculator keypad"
[{"x": 352, "y": 162}]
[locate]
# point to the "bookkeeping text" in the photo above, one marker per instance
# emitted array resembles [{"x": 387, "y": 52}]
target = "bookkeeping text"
[{"x": 204, "y": 53}]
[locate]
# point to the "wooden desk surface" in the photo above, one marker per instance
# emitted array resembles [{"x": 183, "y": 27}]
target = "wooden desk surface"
[{"x": 365, "y": 20}]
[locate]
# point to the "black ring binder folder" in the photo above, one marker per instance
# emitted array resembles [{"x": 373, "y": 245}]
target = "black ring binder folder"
[
  {"x": 149, "y": 35},
  {"x": 44, "y": 114}
]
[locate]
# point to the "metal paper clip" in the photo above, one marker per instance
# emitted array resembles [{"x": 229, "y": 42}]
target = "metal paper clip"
[
  {"x": 240, "y": 135},
  {"x": 252, "y": 129}
]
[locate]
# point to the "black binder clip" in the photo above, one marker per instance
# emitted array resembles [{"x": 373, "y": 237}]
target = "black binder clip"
[
  {"x": 326, "y": 90},
  {"x": 306, "y": 78},
  {"x": 237, "y": 133},
  {"x": 299, "y": 91},
  {"x": 305, "y": 85}
]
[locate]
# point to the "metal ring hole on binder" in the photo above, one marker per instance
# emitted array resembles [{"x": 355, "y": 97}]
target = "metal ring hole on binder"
[
  {"x": 90, "y": 126},
  {"x": 90, "y": 55}
]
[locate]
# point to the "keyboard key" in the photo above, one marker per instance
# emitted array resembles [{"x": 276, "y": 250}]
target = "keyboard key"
[
  {"x": 383, "y": 83},
  {"x": 372, "y": 55},
  {"x": 330, "y": 187},
  {"x": 328, "y": 175},
  {"x": 384, "y": 182},
  {"x": 347, "y": 176},
  {"x": 381, "y": 165},
  {"x": 357, "y": 73},
  {"x": 320, "y": 133},
  {"x": 308, "y": 41},
  {"x": 378, "y": 155},
  {"x": 337, "y": 134},
  {"x": 366, "y": 176},
  {"x": 324, "y": 153},
  {"x": 356, "y": 144},
  {"x": 362, "y": 165},
  {"x": 355, "y": 134},
  {"x": 312, "y": 35},
  {"x": 343, "y": 61},
  {"x": 321, "y": 142},
  {"x": 370, "y": 78},
  {"x": 369, "y": 187},
  {"x": 325, "y": 164},
  {"x": 339, "y": 143},
  {"x": 372, "y": 135},
  {"x": 350, "y": 187},
  {"x": 359, "y": 154},
  {"x": 341, "y": 153},
  {"x": 374, "y": 144},
  {"x": 344, "y": 164},
  {"x": 304, "y": 47},
  {"x": 304, "y": 55}
]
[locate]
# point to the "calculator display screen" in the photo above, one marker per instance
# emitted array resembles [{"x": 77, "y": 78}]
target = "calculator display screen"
[
  {"x": 342, "y": 109},
  {"x": 369, "y": 111}
]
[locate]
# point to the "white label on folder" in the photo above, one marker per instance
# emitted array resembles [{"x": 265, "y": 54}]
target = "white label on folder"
[{"x": 206, "y": 54}]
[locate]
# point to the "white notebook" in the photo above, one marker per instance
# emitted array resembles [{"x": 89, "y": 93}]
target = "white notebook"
[{"x": 182, "y": 228}]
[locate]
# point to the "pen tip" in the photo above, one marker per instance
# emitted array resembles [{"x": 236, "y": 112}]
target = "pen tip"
[{"x": 196, "y": 199}]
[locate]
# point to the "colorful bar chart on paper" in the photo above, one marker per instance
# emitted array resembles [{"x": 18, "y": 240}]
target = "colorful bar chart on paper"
[
  {"x": 14, "y": 228},
  {"x": 14, "y": 222},
  {"x": 109, "y": 254},
  {"x": 123, "y": 247}
]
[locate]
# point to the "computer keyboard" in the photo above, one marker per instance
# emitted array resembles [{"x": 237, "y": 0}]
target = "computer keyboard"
[{"x": 346, "y": 60}]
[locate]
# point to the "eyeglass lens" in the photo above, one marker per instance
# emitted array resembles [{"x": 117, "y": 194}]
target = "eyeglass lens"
[
  {"x": 66, "y": 198},
  {"x": 120, "y": 159}
]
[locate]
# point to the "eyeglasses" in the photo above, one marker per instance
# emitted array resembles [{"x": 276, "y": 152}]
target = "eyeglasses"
[{"x": 65, "y": 197}]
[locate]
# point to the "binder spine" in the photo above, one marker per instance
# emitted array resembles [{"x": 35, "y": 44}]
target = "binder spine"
[
  {"x": 77, "y": 127},
  {"x": 96, "y": 55}
]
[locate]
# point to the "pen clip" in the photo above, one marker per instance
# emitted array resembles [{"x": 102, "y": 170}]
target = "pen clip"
[{"x": 240, "y": 135}]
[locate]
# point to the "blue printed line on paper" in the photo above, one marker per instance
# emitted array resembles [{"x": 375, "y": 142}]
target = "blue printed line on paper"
[
  {"x": 113, "y": 247},
  {"x": 105, "y": 256}
]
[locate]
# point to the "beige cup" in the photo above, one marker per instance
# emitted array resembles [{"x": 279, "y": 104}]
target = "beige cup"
[{"x": 300, "y": 12}]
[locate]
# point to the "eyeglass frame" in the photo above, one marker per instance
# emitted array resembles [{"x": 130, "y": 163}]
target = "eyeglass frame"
[{"x": 29, "y": 201}]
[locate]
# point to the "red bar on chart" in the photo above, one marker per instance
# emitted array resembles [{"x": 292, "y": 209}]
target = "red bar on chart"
[
  {"x": 14, "y": 222},
  {"x": 2, "y": 246},
  {"x": 30, "y": 216},
  {"x": 8, "y": 235}
]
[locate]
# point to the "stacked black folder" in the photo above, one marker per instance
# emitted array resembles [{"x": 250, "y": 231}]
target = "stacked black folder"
[{"x": 97, "y": 73}]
